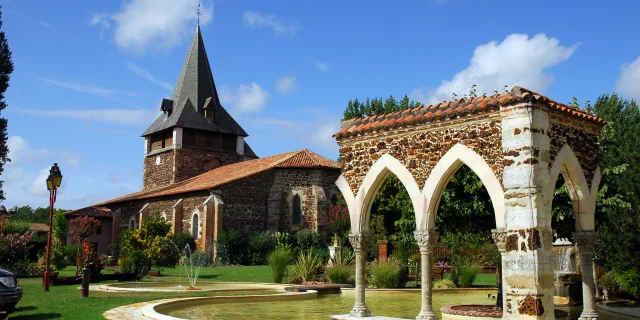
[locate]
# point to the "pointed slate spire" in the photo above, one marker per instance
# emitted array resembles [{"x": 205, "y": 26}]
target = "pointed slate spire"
[
  {"x": 195, "y": 81},
  {"x": 195, "y": 88}
]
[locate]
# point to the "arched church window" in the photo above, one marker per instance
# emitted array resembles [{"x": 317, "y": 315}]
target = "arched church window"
[
  {"x": 132, "y": 223},
  {"x": 297, "y": 209},
  {"x": 195, "y": 226}
]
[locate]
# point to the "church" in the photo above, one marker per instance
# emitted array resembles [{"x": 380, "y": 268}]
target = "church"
[{"x": 202, "y": 176}]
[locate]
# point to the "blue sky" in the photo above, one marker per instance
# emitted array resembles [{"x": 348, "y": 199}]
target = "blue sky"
[{"x": 89, "y": 75}]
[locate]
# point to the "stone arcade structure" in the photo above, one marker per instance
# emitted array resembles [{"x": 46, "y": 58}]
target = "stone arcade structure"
[
  {"x": 202, "y": 176},
  {"x": 517, "y": 143}
]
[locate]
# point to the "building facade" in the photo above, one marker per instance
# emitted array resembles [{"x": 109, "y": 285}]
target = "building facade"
[{"x": 201, "y": 175}]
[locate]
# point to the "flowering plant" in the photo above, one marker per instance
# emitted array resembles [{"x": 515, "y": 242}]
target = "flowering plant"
[
  {"x": 83, "y": 227},
  {"x": 89, "y": 257},
  {"x": 336, "y": 219},
  {"x": 443, "y": 264},
  {"x": 14, "y": 248}
]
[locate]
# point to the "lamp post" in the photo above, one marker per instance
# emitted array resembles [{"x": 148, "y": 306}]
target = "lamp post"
[{"x": 53, "y": 182}]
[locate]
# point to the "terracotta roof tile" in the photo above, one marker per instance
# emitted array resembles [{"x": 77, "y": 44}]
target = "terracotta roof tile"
[
  {"x": 460, "y": 108},
  {"x": 233, "y": 172},
  {"x": 94, "y": 211},
  {"x": 39, "y": 227}
]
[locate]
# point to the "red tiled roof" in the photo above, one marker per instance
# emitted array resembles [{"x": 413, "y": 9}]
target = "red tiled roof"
[
  {"x": 93, "y": 211},
  {"x": 456, "y": 109},
  {"x": 234, "y": 172},
  {"x": 39, "y": 227}
]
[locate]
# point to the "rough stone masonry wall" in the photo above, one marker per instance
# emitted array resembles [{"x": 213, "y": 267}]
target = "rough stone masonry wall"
[
  {"x": 303, "y": 181},
  {"x": 192, "y": 162},
  {"x": 157, "y": 173},
  {"x": 245, "y": 203},
  {"x": 583, "y": 143},
  {"x": 420, "y": 151},
  {"x": 190, "y": 202}
]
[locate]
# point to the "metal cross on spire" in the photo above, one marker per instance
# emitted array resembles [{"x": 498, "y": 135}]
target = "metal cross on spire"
[{"x": 198, "y": 12}]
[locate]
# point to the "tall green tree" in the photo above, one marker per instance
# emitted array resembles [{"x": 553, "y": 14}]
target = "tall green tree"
[{"x": 6, "y": 68}]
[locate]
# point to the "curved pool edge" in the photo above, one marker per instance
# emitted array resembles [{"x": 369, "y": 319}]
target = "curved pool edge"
[
  {"x": 351, "y": 291},
  {"x": 250, "y": 286},
  {"x": 150, "y": 311}
]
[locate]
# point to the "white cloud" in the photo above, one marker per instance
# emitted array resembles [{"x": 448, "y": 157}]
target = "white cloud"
[
  {"x": 20, "y": 151},
  {"x": 94, "y": 90},
  {"x": 322, "y": 66},
  {"x": 124, "y": 117},
  {"x": 323, "y": 134},
  {"x": 100, "y": 18},
  {"x": 286, "y": 84},
  {"x": 246, "y": 98},
  {"x": 628, "y": 83},
  {"x": 154, "y": 24},
  {"x": 148, "y": 76},
  {"x": 517, "y": 60},
  {"x": 37, "y": 187},
  {"x": 254, "y": 19}
]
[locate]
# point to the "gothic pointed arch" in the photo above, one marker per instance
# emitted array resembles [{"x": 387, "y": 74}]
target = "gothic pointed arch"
[{"x": 457, "y": 156}]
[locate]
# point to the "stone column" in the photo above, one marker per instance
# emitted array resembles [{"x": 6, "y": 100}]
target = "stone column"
[
  {"x": 359, "y": 242},
  {"x": 500, "y": 238},
  {"x": 528, "y": 265},
  {"x": 426, "y": 241},
  {"x": 585, "y": 243}
]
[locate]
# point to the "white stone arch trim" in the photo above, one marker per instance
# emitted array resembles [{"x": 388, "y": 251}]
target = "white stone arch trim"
[
  {"x": 349, "y": 198},
  {"x": 303, "y": 198},
  {"x": 583, "y": 198},
  {"x": 132, "y": 221},
  {"x": 441, "y": 174},
  {"x": 163, "y": 214},
  {"x": 196, "y": 212},
  {"x": 373, "y": 180}
]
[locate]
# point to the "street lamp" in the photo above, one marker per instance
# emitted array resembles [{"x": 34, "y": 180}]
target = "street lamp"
[{"x": 53, "y": 182}]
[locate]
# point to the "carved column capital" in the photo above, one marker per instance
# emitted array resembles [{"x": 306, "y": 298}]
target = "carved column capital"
[
  {"x": 427, "y": 240},
  {"x": 359, "y": 241},
  {"x": 585, "y": 241},
  {"x": 500, "y": 238}
]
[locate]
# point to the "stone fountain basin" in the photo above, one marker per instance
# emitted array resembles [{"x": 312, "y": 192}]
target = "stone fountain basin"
[{"x": 184, "y": 286}]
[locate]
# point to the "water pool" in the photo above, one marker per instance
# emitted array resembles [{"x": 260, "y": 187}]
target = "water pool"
[
  {"x": 182, "y": 287},
  {"x": 396, "y": 304}
]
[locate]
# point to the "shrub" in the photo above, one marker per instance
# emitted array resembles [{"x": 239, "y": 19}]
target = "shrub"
[
  {"x": 154, "y": 226},
  {"x": 444, "y": 284},
  {"x": 140, "y": 263},
  {"x": 282, "y": 239},
  {"x": 307, "y": 239},
  {"x": 58, "y": 260},
  {"x": 231, "y": 247},
  {"x": 340, "y": 274},
  {"x": 464, "y": 271},
  {"x": 17, "y": 227},
  {"x": 609, "y": 282},
  {"x": 131, "y": 242},
  {"x": 14, "y": 248},
  {"x": 629, "y": 282},
  {"x": 125, "y": 265},
  {"x": 278, "y": 260},
  {"x": 164, "y": 253},
  {"x": 307, "y": 265},
  {"x": 70, "y": 253},
  {"x": 197, "y": 259},
  {"x": 59, "y": 228},
  {"x": 182, "y": 239},
  {"x": 385, "y": 274},
  {"x": 82, "y": 227},
  {"x": 259, "y": 245}
]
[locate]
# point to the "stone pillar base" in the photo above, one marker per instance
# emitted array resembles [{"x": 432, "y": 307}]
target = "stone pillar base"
[
  {"x": 430, "y": 315},
  {"x": 360, "y": 312},
  {"x": 589, "y": 316}
]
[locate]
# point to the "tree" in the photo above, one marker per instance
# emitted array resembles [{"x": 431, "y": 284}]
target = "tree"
[{"x": 6, "y": 68}]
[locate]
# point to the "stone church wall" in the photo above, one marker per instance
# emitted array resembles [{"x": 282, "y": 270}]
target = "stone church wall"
[
  {"x": 245, "y": 203},
  {"x": 157, "y": 170},
  {"x": 301, "y": 182},
  {"x": 192, "y": 162}
]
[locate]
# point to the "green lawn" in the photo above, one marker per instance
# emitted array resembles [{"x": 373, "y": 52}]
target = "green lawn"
[{"x": 65, "y": 302}]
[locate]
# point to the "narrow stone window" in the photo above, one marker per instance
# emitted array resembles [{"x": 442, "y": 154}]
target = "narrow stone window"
[
  {"x": 297, "y": 209},
  {"x": 195, "y": 226},
  {"x": 132, "y": 223},
  {"x": 334, "y": 200}
]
